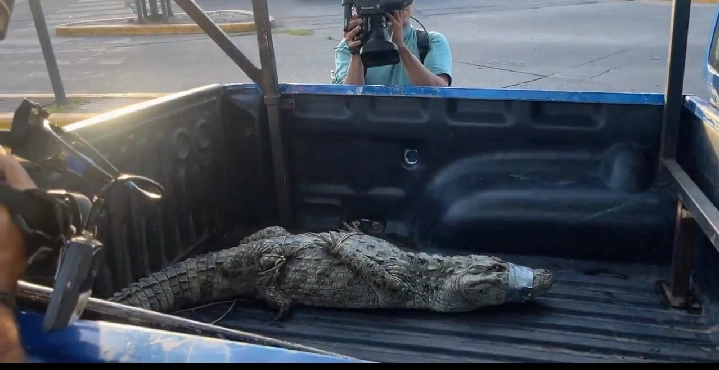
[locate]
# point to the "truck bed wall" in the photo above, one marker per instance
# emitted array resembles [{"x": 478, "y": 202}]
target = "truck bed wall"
[
  {"x": 553, "y": 178},
  {"x": 180, "y": 142},
  {"x": 509, "y": 175}
]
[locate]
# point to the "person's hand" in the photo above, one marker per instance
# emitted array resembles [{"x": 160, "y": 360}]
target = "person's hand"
[
  {"x": 349, "y": 36},
  {"x": 13, "y": 256},
  {"x": 397, "y": 19}
]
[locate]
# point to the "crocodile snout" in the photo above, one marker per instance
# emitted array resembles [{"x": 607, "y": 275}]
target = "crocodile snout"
[
  {"x": 542, "y": 282},
  {"x": 526, "y": 283}
]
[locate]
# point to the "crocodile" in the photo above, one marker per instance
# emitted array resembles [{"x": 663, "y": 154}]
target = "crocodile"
[{"x": 339, "y": 269}]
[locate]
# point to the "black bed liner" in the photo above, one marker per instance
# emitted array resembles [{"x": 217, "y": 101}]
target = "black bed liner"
[{"x": 595, "y": 313}]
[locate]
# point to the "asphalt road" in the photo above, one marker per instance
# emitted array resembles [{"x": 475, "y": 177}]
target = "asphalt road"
[{"x": 543, "y": 44}]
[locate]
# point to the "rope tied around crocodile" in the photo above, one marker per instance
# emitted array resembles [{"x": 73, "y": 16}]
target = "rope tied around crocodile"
[{"x": 377, "y": 275}]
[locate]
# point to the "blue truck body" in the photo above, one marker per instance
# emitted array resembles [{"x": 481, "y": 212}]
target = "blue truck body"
[{"x": 99, "y": 342}]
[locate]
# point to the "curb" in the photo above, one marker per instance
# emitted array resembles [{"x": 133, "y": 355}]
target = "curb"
[
  {"x": 123, "y": 28},
  {"x": 60, "y": 119}
]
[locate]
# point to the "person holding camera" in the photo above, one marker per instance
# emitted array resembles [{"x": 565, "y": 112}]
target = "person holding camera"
[
  {"x": 414, "y": 69},
  {"x": 13, "y": 262}
]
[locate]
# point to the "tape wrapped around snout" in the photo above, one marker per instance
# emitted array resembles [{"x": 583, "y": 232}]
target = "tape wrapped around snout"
[{"x": 521, "y": 280}]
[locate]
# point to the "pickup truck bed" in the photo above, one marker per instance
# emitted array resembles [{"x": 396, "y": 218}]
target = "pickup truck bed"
[
  {"x": 595, "y": 313},
  {"x": 563, "y": 177}
]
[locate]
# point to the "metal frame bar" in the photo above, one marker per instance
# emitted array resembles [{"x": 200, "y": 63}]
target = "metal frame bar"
[
  {"x": 265, "y": 78},
  {"x": 673, "y": 94},
  {"x": 693, "y": 207},
  {"x": 47, "y": 52},
  {"x": 271, "y": 89}
]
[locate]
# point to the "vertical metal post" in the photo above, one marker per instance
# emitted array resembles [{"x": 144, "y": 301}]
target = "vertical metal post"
[
  {"x": 678, "y": 290},
  {"x": 138, "y": 8},
  {"x": 673, "y": 96},
  {"x": 170, "y": 13},
  {"x": 271, "y": 90},
  {"x": 47, "y": 52},
  {"x": 154, "y": 12},
  {"x": 163, "y": 6},
  {"x": 144, "y": 10}
]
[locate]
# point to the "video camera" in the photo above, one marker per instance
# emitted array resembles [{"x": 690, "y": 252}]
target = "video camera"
[
  {"x": 377, "y": 47},
  {"x": 59, "y": 223}
]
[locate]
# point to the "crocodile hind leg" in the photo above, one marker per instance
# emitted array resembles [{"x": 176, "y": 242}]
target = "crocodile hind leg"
[
  {"x": 266, "y": 233},
  {"x": 377, "y": 275},
  {"x": 271, "y": 265}
]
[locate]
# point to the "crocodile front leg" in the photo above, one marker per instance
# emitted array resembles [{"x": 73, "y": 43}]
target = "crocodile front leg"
[{"x": 271, "y": 266}]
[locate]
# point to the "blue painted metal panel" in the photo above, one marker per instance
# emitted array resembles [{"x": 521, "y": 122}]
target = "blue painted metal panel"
[
  {"x": 487, "y": 94},
  {"x": 89, "y": 341},
  {"x": 706, "y": 112}
]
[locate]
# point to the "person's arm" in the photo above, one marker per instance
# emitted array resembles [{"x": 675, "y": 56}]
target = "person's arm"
[
  {"x": 348, "y": 67},
  {"x": 11, "y": 349},
  {"x": 12, "y": 264},
  {"x": 437, "y": 68},
  {"x": 13, "y": 260}
]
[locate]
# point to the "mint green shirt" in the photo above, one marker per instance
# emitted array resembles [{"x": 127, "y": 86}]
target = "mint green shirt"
[{"x": 438, "y": 61}]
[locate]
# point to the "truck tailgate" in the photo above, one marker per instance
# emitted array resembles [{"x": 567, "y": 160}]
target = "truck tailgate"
[{"x": 595, "y": 313}]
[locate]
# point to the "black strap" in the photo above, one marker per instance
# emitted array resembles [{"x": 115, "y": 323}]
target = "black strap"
[
  {"x": 422, "y": 44},
  {"x": 44, "y": 219},
  {"x": 8, "y": 300}
]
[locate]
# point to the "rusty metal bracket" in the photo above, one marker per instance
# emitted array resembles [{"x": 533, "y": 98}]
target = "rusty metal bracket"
[
  {"x": 287, "y": 104},
  {"x": 678, "y": 290},
  {"x": 693, "y": 208}
]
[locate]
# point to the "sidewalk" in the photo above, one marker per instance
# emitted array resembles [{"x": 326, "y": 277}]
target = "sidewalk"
[
  {"x": 79, "y": 107},
  {"x": 230, "y": 21}
]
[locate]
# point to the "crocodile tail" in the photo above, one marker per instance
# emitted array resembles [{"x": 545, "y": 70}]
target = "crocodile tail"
[{"x": 185, "y": 284}]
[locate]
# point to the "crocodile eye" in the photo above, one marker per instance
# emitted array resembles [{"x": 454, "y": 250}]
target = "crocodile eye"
[
  {"x": 476, "y": 269},
  {"x": 498, "y": 268}
]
